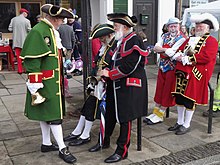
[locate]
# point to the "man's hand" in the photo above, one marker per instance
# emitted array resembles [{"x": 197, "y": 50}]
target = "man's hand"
[
  {"x": 104, "y": 73},
  {"x": 185, "y": 60},
  {"x": 170, "y": 52},
  {"x": 178, "y": 56}
]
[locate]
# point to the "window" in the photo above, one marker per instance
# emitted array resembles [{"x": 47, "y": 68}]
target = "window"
[
  {"x": 120, "y": 6},
  {"x": 33, "y": 9},
  {"x": 11, "y": 9},
  {"x": 7, "y": 12},
  {"x": 54, "y": 2}
]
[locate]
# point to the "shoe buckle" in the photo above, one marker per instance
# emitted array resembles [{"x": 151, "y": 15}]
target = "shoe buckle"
[{"x": 66, "y": 152}]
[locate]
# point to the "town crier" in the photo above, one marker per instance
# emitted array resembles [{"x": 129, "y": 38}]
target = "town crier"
[
  {"x": 126, "y": 93},
  {"x": 43, "y": 63},
  {"x": 196, "y": 59}
]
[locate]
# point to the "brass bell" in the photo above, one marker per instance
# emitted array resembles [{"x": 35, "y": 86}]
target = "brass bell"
[
  {"x": 189, "y": 51},
  {"x": 37, "y": 99}
]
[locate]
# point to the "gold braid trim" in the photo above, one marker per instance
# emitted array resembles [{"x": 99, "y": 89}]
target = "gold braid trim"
[
  {"x": 197, "y": 73},
  {"x": 157, "y": 112}
]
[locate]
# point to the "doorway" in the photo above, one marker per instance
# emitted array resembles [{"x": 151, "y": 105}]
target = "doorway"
[{"x": 147, "y": 13}]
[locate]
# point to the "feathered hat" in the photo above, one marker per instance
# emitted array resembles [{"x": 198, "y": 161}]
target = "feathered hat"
[
  {"x": 101, "y": 30},
  {"x": 56, "y": 11},
  {"x": 206, "y": 18},
  {"x": 122, "y": 18}
]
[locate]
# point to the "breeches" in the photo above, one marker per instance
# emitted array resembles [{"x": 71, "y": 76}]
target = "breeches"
[
  {"x": 165, "y": 85},
  {"x": 90, "y": 108}
]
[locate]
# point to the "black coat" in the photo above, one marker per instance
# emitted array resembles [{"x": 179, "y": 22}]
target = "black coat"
[{"x": 129, "y": 79}]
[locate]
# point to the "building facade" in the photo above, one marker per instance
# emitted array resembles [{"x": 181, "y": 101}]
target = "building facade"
[{"x": 151, "y": 14}]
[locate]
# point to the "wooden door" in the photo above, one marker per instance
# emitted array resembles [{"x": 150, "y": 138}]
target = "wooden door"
[{"x": 146, "y": 13}]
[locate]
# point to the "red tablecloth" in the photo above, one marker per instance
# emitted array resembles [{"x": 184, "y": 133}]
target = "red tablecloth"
[{"x": 8, "y": 50}]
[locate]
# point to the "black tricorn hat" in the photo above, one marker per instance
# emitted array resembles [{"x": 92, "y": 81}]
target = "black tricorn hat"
[
  {"x": 101, "y": 30},
  {"x": 122, "y": 18},
  {"x": 56, "y": 11}
]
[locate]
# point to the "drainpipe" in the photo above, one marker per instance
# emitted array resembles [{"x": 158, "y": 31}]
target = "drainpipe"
[{"x": 86, "y": 44}]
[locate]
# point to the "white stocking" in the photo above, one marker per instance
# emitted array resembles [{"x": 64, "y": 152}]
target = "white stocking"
[
  {"x": 80, "y": 126},
  {"x": 181, "y": 113},
  {"x": 87, "y": 129},
  {"x": 58, "y": 135},
  {"x": 188, "y": 118},
  {"x": 45, "y": 129}
]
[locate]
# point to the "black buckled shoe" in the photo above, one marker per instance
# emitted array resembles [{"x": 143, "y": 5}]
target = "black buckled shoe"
[
  {"x": 174, "y": 128},
  {"x": 67, "y": 156},
  {"x": 79, "y": 141},
  {"x": 70, "y": 137},
  {"x": 52, "y": 147},
  {"x": 182, "y": 130},
  {"x": 98, "y": 147},
  {"x": 115, "y": 158},
  {"x": 214, "y": 113}
]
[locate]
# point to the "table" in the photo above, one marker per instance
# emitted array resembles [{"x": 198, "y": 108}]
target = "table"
[{"x": 10, "y": 55}]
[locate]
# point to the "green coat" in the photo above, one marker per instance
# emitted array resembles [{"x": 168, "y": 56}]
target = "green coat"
[{"x": 40, "y": 54}]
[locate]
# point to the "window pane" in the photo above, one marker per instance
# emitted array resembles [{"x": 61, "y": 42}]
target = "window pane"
[
  {"x": 7, "y": 12},
  {"x": 120, "y": 6},
  {"x": 34, "y": 10},
  {"x": 54, "y": 2}
]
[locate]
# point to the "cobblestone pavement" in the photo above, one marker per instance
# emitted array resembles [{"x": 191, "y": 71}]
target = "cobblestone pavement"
[{"x": 186, "y": 156}]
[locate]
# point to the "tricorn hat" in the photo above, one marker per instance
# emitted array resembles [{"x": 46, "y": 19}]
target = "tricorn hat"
[
  {"x": 173, "y": 20},
  {"x": 101, "y": 30},
  {"x": 56, "y": 11},
  {"x": 206, "y": 18},
  {"x": 122, "y": 18}
]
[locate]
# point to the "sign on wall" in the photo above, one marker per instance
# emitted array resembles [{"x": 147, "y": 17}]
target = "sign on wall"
[
  {"x": 120, "y": 6},
  {"x": 194, "y": 3}
]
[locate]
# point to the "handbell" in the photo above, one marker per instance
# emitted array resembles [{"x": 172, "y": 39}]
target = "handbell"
[
  {"x": 37, "y": 99},
  {"x": 189, "y": 51}
]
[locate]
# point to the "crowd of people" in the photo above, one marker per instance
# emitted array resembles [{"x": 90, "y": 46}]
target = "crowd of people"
[{"x": 51, "y": 54}]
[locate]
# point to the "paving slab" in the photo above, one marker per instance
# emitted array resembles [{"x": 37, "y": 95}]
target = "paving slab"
[
  {"x": 2, "y": 77},
  {"x": 4, "y": 92},
  {"x": 17, "y": 89},
  {"x": 8, "y": 130},
  {"x": 37, "y": 158},
  {"x": 13, "y": 82},
  {"x": 4, "y": 114},
  {"x": 13, "y": 76},
  {"x": 4, "y": 158},
  {"x": 74, "y": 83},
  {"x": 173, "y": 143},
  {"x": 14, "y": 103},
  {"x": 1, "y": 103},
  {"x": 23, "y": 145}
]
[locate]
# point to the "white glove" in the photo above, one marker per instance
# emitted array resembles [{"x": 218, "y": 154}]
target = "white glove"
[
  {"x": 99, "y": 89},
  {"x": 176, "y": 55},
  {"x": 185, "y": 60},
  {"x": 33, "y": 87},
  {"x": 170, "y": 52}
]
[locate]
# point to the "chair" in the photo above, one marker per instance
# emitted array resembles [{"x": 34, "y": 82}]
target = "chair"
[{"x": 7, "y": 54}]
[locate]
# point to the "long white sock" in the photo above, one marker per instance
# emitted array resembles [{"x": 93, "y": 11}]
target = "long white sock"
[
  {"x": 80, "y": 126},
  {"x": 181, "y": 113},
  {"x": 188, "y": 118},
  {"x": 58, "y": 135},
  {"x": 87, "y": 129},
  {"x": 45, "y": 129}
]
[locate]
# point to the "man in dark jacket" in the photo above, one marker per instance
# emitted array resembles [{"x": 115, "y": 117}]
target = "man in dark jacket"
[
  {"x": 126, "y": 95},
  {"x": 68, "y": 38}
]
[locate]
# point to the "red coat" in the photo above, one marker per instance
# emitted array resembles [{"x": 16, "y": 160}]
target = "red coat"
[{"x": 199, "y": 73}]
